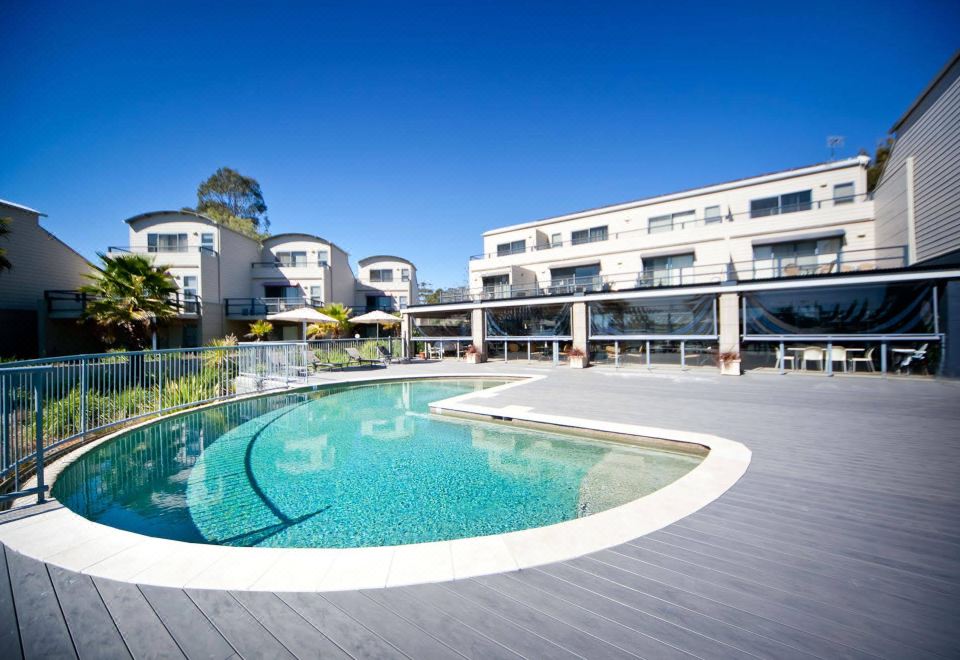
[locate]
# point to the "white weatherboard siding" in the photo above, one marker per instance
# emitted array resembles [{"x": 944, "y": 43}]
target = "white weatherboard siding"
[
  {"x": 929, "y": 135},
  {"x": 395, "y": 288},
  {"x": 40, "y": 261},
  {"x": 548, "y": 243}
]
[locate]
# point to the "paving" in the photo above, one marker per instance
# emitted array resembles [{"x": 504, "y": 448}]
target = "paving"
[{"x": 842, "y": 540}]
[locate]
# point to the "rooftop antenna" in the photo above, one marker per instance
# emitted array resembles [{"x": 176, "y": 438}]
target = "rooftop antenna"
[{"x": 834, "y": 142}]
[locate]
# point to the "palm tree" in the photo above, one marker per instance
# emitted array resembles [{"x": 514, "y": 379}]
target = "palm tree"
[
  {"x": 130, "y": 294},
  {"x": 260, "y": 330},
  {"x": 4, "y": 232},
  {"x": 338, "y": 329}
]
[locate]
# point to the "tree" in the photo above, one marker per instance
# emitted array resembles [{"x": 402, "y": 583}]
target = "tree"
[
  {"x": 234, "y": 200},
  {"x": 880, "y": 158},
  {"x": 338, "y": 329},
  {"x": 260, "y": 330},
  {"x": 4, "y": 233},
  {"x": 128, "y": 293}
]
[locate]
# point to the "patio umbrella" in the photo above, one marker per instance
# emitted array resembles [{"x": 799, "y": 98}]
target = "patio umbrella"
[
  {"x": 302, "y": 315},
  {"x": 377, "y": 317}
]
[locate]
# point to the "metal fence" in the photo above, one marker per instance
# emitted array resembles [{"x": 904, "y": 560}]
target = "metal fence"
[
  {"x": 334, "y": 351},
  {"x": 48, "y": 403}
]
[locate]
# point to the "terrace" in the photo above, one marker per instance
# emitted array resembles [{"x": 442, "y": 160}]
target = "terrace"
[{"x": 839, "y": 541}]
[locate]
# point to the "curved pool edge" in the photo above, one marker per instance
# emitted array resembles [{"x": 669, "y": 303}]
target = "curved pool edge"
[{"x": 67, "y": 539}]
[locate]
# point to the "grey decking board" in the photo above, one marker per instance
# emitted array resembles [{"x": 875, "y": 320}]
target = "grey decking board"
[
  {"x": 453, "y": 633},
  {"x": 517, "y": 639},
  {"x": 408, "y": 638},
  {"x": 240, "y": 628},
  {"x": 138, "y": 623},
  {"x": 547, "y": 626},
  {"x": 9, "y": 631},
  {"x": 687, "y": 622},
  {"x": 291, "y": 629},
  {"x": 344, "y": 631},
  {"x": 43, "y": 630},
  {"x": 94, "y": 632},
  {"x": 195, "y": 635}
]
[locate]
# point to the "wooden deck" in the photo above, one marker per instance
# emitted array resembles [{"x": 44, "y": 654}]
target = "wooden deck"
[{"x": 841, "y": 541}]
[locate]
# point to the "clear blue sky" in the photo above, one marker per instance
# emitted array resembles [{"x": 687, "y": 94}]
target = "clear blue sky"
[{"x": 410, "y": 129}]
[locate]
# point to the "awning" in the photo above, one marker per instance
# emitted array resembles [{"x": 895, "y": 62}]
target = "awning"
[{"x": 810, "y": 236}]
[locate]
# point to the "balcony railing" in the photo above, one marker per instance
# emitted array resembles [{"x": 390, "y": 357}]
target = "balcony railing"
[
  {"x": 845, "y": 262},
  {"x": 145, "y": 249},
  {"x": 261, "y": 307},
  {"x": 298, "y": 263},
  {"x": 72, "y": 304}
]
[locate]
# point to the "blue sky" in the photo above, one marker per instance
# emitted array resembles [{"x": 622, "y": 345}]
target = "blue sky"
[{"x": 411, "y": 128}]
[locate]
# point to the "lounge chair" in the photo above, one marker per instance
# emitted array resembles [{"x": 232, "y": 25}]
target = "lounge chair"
[
  {"x": 315, "y": 363},
  {"x": 356, "y": 358},
  {"x": 386, "y": 355}
]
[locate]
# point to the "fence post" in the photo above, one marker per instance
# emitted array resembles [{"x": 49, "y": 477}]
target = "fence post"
[
  {"x": 39, "y": 378},
  {"x": 83, "y": 396}
]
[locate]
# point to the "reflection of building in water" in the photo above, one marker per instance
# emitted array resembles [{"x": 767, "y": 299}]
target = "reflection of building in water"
[
  {"x": 397, "y": 427},
  {"x": 613, "y": 481},
  {"x": 510, "y": 452},
  {"x": 306, "y": 455}
]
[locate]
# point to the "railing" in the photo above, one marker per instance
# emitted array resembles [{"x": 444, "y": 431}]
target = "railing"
[
  {"x": 280, "y": 263},
  {"x": 334, "y": 351},
  {"x": 844, "y": 262},
  {"x": 263, "y": 306},
  {"x": 47, "y": 404},
  {"x": 72, "y": 303},
  {"x": 148, "y": 249}
]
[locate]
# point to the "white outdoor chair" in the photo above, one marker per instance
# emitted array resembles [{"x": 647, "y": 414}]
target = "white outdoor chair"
[
  {"x": 434, "y": 352},
  {"x": 919, "y": 355},
  {"x": 839, "y": 354},
  {"x": 812, "y": 354},
  {"x": 792, "y": 359},
  {"x": 867, "y": 360}
]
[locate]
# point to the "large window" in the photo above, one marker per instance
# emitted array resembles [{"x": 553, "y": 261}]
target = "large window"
[
  {"x": 591, "y": 235},
  {"x": 166, "y": 242},
  {"x": 529, "y": 321},
  {"x": 575, "y": 278},
  {"x": 284, "y": 292},
  {"x": 381, "y": 275},
  {"x": 787, "y": 203},
  {"x": 442, "y": 324},
  {"x": 686, "y": 315},
  {"x": 797, "y": 257},
  {"x": 514, "y": 247},
  {"x": 843, "y": 193},
  {"x": 384, "y": 303},
  {"x": 670, "y": 221},
  {"x": 670, "y": 270},
  {"x": 874, "y": 309},
  {"x": 496, "y": 286},
  {"x": 294, "y": 259}
]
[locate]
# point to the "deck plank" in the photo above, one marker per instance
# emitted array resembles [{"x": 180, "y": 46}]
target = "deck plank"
[
  {"x": 291, "y": 629},
  {"x": 94, "y": 631},
  {"x": 43, "y": 630},
  {"x": 240, "y": 628},
  {"x": 141, "y": 627},
  {"x": 9, "y": 632},
  {"x": 190, "y": 628}
]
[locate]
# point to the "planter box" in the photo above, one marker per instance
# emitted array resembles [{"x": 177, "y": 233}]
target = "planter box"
[
  {"x": 578, "y": 362},
  {"x": 730, "y": 368},
  {"x": 472, "y": 358}
]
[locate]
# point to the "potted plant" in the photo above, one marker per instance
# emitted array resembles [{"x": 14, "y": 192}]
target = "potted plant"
[
  {"x": 472, "y": 355},
  {"x": 578, "y": 359},
  {"x": 729, "y": 363}
]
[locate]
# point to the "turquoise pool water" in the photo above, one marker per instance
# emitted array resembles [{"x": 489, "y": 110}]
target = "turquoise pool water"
[{"x": 352, "y": 466}]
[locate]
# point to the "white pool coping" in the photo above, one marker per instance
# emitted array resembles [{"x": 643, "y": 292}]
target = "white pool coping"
[{"x": 66, "y": 539}]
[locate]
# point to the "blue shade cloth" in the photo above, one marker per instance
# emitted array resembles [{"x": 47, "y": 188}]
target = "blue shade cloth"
[
  {"x": 529, "y": 321},
  {"x": 683, "y": 315}
]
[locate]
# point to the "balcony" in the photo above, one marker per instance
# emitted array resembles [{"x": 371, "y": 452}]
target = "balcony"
[
  {"x": 839, "y": 263},
  {"x": 258, "y": 308},
  {"x": 72, "y": 304}
]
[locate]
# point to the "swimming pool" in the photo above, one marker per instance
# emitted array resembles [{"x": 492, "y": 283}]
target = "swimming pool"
[{"x": 352, "y": 466}]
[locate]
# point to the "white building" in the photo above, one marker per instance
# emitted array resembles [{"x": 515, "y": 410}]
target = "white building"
[
  {"x": 385, "y": 282},
  {"x": 815, "y": 219}
]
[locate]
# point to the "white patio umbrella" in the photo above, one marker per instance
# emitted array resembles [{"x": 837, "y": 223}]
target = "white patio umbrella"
[
  {"x": 302, "y": 315},
  {"x": 377, "y": 317}
]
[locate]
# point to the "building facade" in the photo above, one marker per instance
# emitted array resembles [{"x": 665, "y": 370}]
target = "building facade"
[
  {"x": 386, "y": 283},
  {"x": 917, "y": 198},
  {"x": 41, "y": 262}
]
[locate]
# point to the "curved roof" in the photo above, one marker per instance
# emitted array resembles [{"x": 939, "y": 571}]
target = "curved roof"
[
  {"x": 384, "y": 257},
  {"x": 141, "y": 216},
  {"x": 293, "y": 234}
]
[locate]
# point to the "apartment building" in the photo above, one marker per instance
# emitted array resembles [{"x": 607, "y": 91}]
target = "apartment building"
[
  {"x": 386, "y": 283},
  {"x": 39, "y": 262},
  {"x": 809, "y": 219}
]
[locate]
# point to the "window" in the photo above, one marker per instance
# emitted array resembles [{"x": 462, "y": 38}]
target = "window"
[
  {"x": 316, "y": 294},
  {"x": 190, "y": 294},
  {"x": 591, "y": 235},
  {"x": 295, "y": 259},
  {"x": 166, "y": 242},
  {"x": 556, "y": 240},
  {"x": 796, "y": 257},
  {"x": 712, "y": 215},
  {"x": 787, "y": 203},
  {"x": 402, "y": 302},
  {"x": 575, "y": 278},
  {"x": 381, "y": 275},
  {"x": 404, "y": 274},
  {"x": 289, "y": 293},
  {"x": 670, "y": 270},
  {"x": 670, "y": 221},
  {"x": 206, "y": 242},
  {"x": 514, "y": 247},
  {"x": 323, "y": 258},
  {"x": 843, "y": 193},
  {"x": 384, "y": 303}
]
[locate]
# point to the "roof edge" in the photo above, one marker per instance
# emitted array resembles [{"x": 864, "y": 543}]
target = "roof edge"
[
  {"x": 926, "y": 91},
  {"x": 384, "y": 257}
]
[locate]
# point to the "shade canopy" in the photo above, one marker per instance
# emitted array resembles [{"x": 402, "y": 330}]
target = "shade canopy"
[
  {"x": 302, "y": 315},
  {"x": 376, "y": 316}
]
